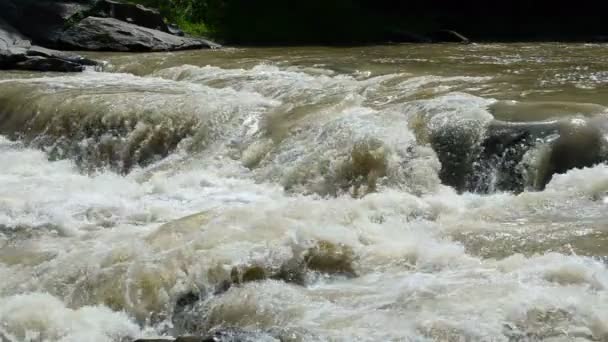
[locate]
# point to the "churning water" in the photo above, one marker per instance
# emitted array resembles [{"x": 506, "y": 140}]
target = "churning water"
[{"x": 401, "y": 193}]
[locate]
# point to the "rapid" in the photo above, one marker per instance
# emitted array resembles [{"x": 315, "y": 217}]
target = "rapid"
[{"x": 383, "y": 193}]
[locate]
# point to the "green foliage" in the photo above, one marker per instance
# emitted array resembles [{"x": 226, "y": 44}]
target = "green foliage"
[{"x": 187, "y": 14}]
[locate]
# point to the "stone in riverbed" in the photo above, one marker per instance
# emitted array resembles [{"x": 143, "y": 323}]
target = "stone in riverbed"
[
  {"x": 219, "y": 335},
  {"x": 324, "y": 258},
  {"x": 16, "y": 52},
  {"x": 109, "y": 34},
  {"x": 330, "y": 258},
  {"x": 518, "y": 156}
]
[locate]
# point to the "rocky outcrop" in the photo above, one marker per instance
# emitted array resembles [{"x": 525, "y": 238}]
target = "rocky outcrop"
[
  {"x": 41, "y": 20},
  {"x": 16, "y": 52},
  {"x": 97, "y": 25},
  {"x": 130, "y": 13},
  {"x": 109, "y": 34}
]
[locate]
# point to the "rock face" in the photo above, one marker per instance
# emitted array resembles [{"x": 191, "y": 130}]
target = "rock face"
[
  {"x": 130, "y": 13},
  {"x": 16, "y": 52},
  {"x": 41, "y": 20},
  {"x": 109, "y": 34},
  {"x": 98, "y": 25}
]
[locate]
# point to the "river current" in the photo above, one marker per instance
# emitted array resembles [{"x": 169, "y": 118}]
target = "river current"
[{"x": 383, "y": 193}]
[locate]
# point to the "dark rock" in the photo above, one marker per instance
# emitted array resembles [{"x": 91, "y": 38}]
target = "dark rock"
[
  {"x": 43, "y": 20},
  {"x": 255, "y": 273},
  {"x": 293, "y": 272},
  {"x": 330, "y": 258},
  {"x": 495, "y": 161},
  {"x": 229, "y": 335},
  {"x": 16, "y": 52},
  {"x": 108, "y": 34},
  {"x": 175, "y": 30},
  {"x": 449, "y": 36},
  {"x": 130, "y": 13},
  {"x": 184, "y": 316},
  {"x": 106, "y": 25},
  {"x": 187, "y": 300},
  {"x": 217, "y": 335},
  {"x": 457, "y": 146},
  {"x": 36, "y": 63}
]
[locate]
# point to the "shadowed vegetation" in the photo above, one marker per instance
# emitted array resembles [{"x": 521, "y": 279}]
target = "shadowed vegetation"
[{"x": 365, "y": 21}]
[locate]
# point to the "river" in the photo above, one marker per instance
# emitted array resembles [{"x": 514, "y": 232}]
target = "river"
[{"x": 309, "y": 194}]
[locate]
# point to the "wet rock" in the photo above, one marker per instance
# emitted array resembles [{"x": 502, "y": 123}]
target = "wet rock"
[
  {"x": 16, "y": 52},
  {"x": 185, "y": 311},
  {"x": 175, "y": 30},
  {"x": 130, "y": 13},
  {"x": 456, "y": 146},
  {"x": 293, "y": 272},
  {"x": 219, "y": 335},
  {"x": 43, "y": 20},
  {"x": 330, "y": 258},
  {"x": 324, "y": 258},
  {"x": 360, "y": 173},
  {"x": 232, "y": 335},
  {"x": 255, "y": 273},
  {"x": 106, "y": 25},
  {"x": 518, "y": 156},
  {"x": 449, "y": 36},
  {"x": 187, "y": 299},
  {"x": 109, "y": 34}
]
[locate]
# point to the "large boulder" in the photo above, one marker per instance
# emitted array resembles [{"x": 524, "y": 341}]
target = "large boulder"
[
  {"x": 109, "y": 34},
  {"x": 16, "y": 52},
  {"x": 131, "y": 13},
  {"x": 107, "y": 25},
  {"x": 519, "y": 156},
  {"x": 42, "y": 20}
]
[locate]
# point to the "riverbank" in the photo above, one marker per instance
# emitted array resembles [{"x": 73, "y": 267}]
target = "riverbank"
[{"x": 30, "y": 29}]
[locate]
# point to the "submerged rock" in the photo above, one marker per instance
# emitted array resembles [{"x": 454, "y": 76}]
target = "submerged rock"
[
  {"x": 330, "y": 258},
  {"x": 219, "y": 335},
  {"x": 324, "y": 258},
  {"x": 17, "y": 52},
  {"x": 109, "y": 34},
  {"x": 518, "y": 156}
]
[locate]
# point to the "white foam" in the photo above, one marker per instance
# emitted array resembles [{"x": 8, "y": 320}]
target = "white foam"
[
  {"x": 76, "y": 245},
  {"x": 41, "y": 317}
]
